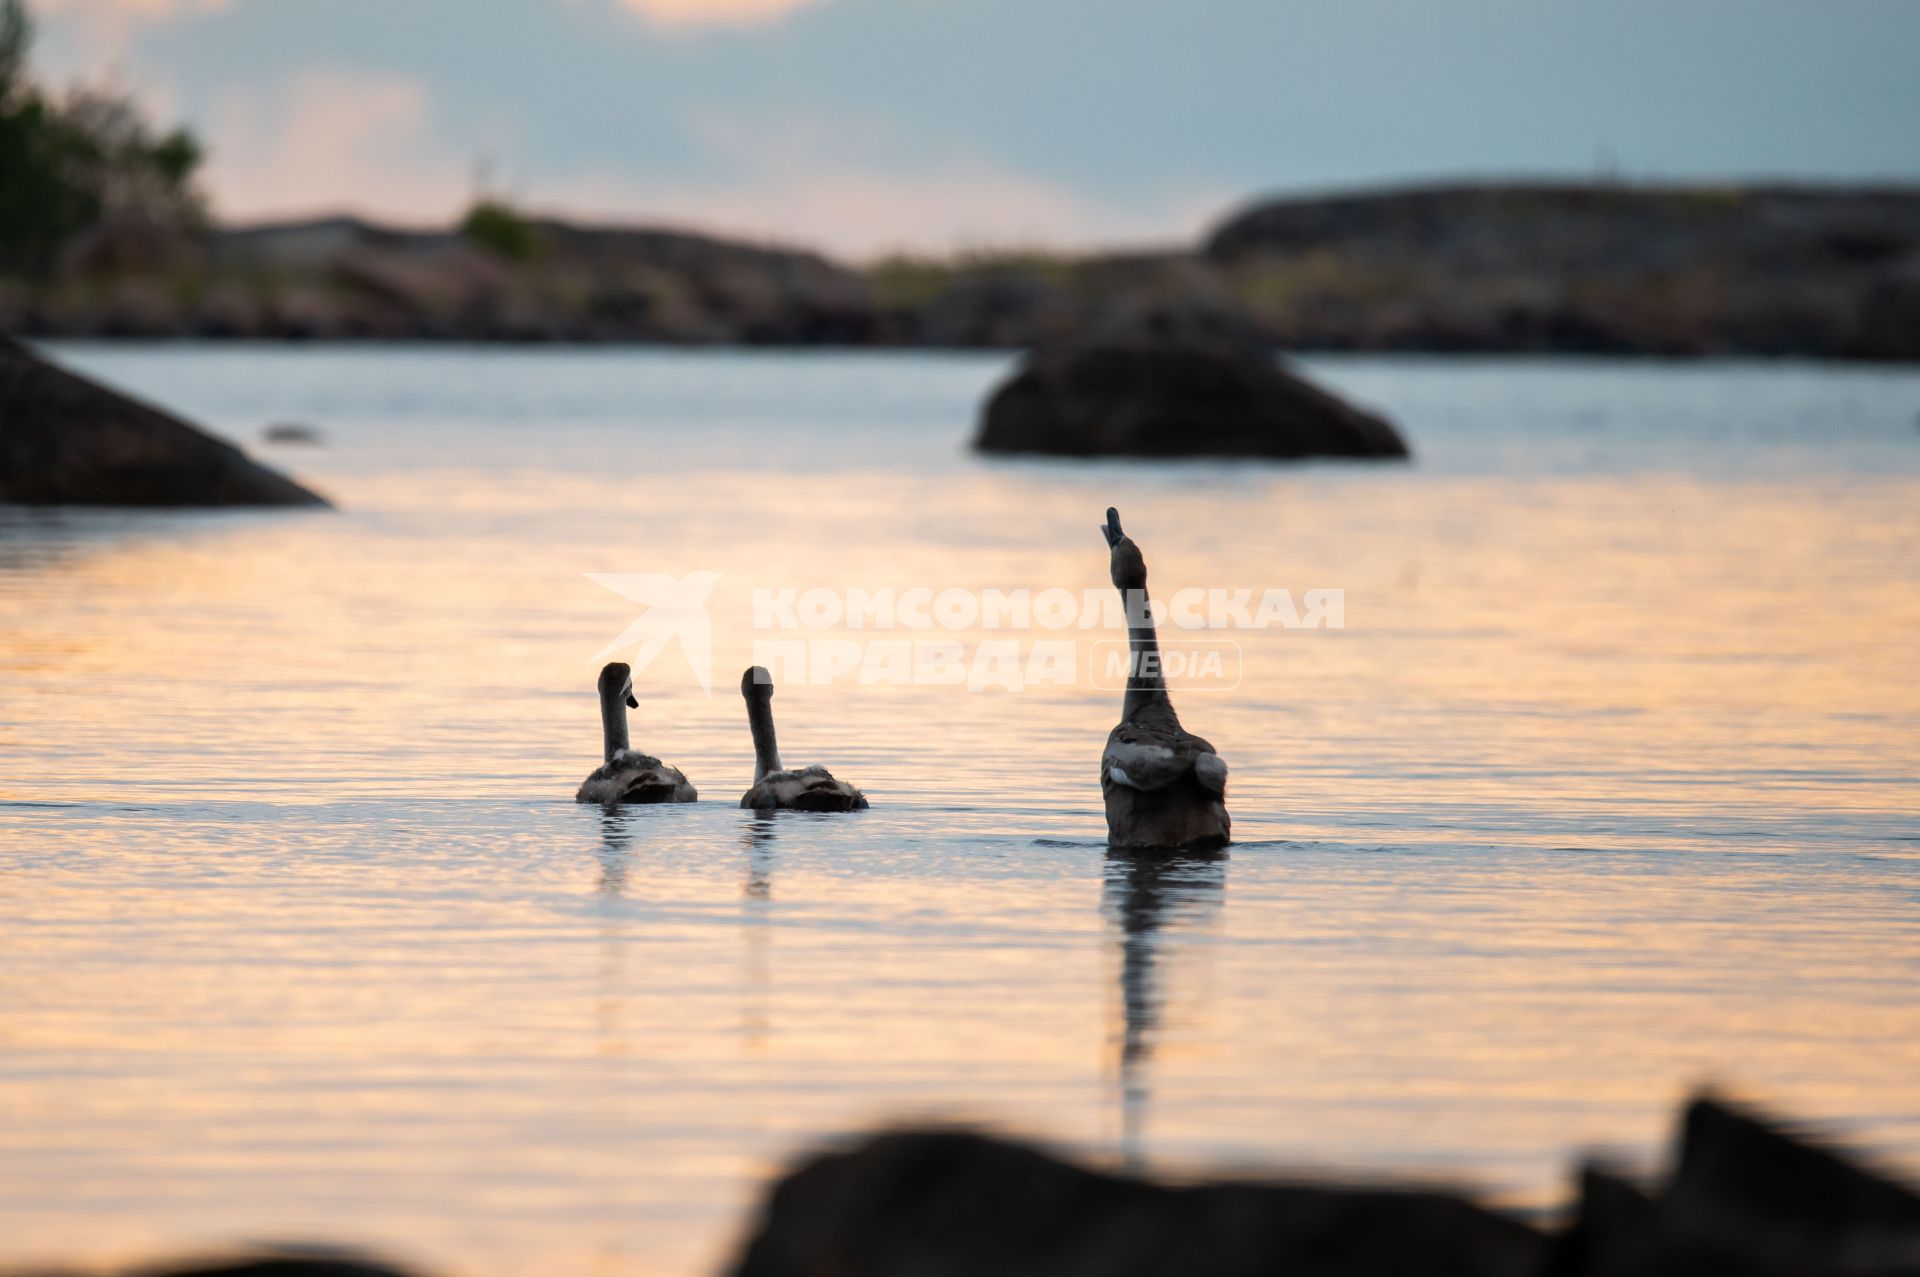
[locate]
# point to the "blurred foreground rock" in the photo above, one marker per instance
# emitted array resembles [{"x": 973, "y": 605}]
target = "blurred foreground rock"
[
  {"x": 935, "y": 1204},
  {"x": 298, "y": 1263},
  {"x": 65, "y": 440},
  {"x": 301, "y": 1265},
  {"x": 1167, "y": 381},
  {"x": 1744, "y": 1198}
]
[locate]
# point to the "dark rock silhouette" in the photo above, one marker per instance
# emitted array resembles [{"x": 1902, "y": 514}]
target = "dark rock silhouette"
[
  {"x": 317, "y": 1265},
  {"x": 1736, "y": 1168},
  {"x": 65, "y": 440},
  {"x": 299, "y": 1262},
  {"x": 1745, "y": 1197},
  {"x": 934, "y": 1204},
  {"x": 1174, "y": 381}
]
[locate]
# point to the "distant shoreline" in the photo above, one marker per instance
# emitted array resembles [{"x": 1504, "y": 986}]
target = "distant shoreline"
[{"x": 1505, "y": 268}]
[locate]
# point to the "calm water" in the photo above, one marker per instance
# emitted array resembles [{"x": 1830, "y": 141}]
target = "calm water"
[{"x": 1606, "y": 789}]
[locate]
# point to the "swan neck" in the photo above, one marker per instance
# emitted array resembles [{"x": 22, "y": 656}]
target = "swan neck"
[
  {"x": 766, "y": 750},
  {"x": 1146, "y": 680},
  {"x": 613, "y": 724}
]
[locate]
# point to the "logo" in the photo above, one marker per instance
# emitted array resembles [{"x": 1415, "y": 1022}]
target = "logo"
[
  {"x": 676, "y": 610},
  {"x": 915, "y": 636}
]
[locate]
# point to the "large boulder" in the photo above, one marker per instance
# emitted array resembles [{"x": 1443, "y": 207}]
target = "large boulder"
[
  {"x": 1168, "y": 381},
  {"x": 65, "y": 440}
]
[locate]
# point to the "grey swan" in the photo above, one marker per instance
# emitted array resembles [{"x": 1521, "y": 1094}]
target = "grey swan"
[
  {"x": 1164, "y": 787},
  {"x": 627, "y": 776},
  {"x": 809, "y": 788}
]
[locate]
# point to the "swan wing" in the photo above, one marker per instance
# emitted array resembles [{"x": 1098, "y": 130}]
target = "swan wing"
[
  {"x": 1156, "y": 764},
  {"x": 1142, "y": 766}
]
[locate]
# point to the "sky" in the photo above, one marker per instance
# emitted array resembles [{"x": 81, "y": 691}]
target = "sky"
[{"x": 869, "y": 126}]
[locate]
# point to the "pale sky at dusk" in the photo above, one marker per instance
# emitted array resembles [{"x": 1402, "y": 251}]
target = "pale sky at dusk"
[{"x": 863, "y": 125}]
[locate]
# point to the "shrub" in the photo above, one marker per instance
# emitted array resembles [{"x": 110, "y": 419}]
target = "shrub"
[{"x": 498, "y": 228}]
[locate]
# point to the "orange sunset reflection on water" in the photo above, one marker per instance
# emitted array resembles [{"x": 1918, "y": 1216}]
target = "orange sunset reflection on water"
[{"x": 1605, "y": 790}]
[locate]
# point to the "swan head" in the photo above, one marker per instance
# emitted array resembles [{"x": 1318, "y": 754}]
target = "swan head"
[
  {"x": 756, "y": 684},
  {"x": 616, "y": 681},
  {"x": 1129, "y": 565}
]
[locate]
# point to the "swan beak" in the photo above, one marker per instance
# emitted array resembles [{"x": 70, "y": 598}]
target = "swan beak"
[
  {"x": 1112, "y": 531},
  {"x": 631, "y": 702}
]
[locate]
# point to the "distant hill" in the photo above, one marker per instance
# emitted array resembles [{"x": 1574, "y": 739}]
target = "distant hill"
[
  {"x": 1668, "y": 270},
  {"x": 342, "y": 277}
]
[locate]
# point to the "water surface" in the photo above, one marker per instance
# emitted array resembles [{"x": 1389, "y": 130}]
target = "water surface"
[{"x": 1606, "y": 789}]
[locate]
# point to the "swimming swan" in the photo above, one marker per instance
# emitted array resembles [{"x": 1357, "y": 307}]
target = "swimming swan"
[
  {"x": 628, "y": 777},
  {"x": 810, "y": 788},
  {"x": 1164, "y": 786}
]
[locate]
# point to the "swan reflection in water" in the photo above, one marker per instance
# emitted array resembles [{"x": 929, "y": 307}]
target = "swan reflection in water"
[
  {"x": 610, "y": 889},
  {"x": 616, "y": 853},
  {"x": 757, "y": 839},
  {"x": 1145, "y": 895},
  {"x": 756, "y": 903}
]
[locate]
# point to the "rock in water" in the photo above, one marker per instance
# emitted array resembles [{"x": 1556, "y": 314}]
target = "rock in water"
[
  {"x": 291, "y": 432},
  {"x": 65, "y": 440},
  {"x": 1174, "y": 383}
]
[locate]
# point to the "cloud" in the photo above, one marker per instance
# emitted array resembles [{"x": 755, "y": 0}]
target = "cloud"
[
  {"x": 853, "y": 187},
  {"x": 105, "y": 26},
  {"x": 331, "y": 138},
  {"x": 102, "y": 30},
  {"x": 712, "y": 13},
  {"x": 134, "y": 10}
]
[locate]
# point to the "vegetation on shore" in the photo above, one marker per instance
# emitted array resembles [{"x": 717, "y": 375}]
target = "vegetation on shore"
[{"x": 74, "y": 163}]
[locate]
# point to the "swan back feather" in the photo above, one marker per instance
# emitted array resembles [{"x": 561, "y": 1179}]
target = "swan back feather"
[
  {"x": 807, "y": 789},
  {"x": 633, "y": 777}
]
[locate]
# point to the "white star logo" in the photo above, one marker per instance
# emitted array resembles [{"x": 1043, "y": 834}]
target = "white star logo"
[{"x": 676, "y": 608}]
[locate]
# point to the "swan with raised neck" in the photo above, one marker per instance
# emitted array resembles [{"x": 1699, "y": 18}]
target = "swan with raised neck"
[{"x": 1162, "y": 785}]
